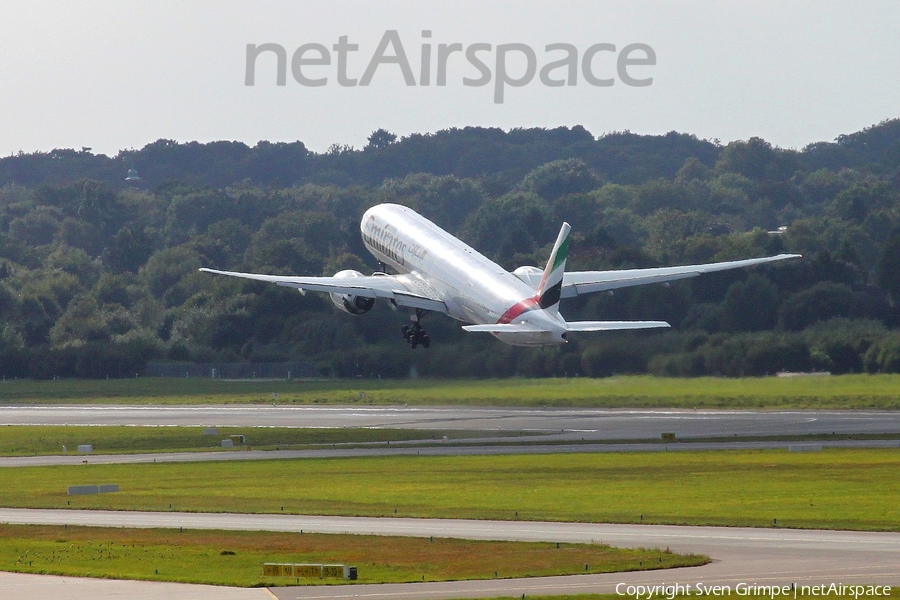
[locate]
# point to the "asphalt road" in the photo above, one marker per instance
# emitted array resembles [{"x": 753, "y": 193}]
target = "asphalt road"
[
  {"x": 741, "y": 555},
  {"x": 571, "y": 424}
]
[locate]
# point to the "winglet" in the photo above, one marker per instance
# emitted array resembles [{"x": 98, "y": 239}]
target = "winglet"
[{"x": 550, "y": 287}]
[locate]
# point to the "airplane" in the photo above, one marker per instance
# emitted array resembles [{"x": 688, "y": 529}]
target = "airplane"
[{"x": 436, "y": 272}]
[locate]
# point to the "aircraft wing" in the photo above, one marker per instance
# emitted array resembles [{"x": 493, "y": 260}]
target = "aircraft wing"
[
  {"x": 576, "y": 283},
  {"x": 403, "y": 290}
]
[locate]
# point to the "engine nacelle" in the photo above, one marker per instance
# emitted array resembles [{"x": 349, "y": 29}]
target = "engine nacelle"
[
  {"x": 355, "y": 305},
  {"x": 530, "y": 275}
]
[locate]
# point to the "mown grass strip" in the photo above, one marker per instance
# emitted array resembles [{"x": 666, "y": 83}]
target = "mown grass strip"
[
  {"x": 832, "y": 489},
  {"x": 236, "y": 558},
  {"x": 837, "y": 392},
  {"x": 30, "y": 440}
]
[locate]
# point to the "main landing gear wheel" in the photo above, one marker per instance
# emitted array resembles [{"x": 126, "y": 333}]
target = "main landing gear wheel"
[{"x": 415, "y": 335}]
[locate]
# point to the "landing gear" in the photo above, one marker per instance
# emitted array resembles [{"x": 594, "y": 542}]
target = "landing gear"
[{"x": 415, "y": 334}]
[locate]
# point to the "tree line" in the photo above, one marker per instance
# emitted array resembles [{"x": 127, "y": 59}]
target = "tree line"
[{"x": 98, "y": 275}]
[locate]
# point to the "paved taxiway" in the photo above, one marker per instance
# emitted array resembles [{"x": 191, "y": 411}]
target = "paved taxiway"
[
  {"x": 23, "y": 586},
  {"x": 762, "y": 556},
  {"x": 571, "y": 424},
  {"x": 448, "y": 449}
]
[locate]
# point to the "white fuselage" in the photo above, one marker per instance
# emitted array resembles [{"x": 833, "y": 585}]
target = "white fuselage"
[{"x": 474, "y": 288}]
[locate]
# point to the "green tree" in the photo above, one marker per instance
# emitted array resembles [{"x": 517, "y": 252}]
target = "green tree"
[
  {"x": 223, "y": 244},
  {"x": 823, "y": 185},
  {"x": 516, "y": 223},
  {"x": 79, "y": 234},
  {"x": 888, "y": 273},
  {"x": 750, "y": 305},
  {"x": 79, "y": 324},
  {"x": 561, "y": 178},
  {"x": 34, "y": 320},
  {"x": 168, "y": 267},
  {"x": 296, "y": 242},
  {"x": 380, "y": 138},
  {"x": 74, "y": 261},
  {"x": 659, "y": 195},
  {"x": 757, "y": 159},
  {"x": 191, "y": 213},
  {"x": 859, "y": 200},
  {"x": 447, "y": 200},
  {"x": 667, "y": 229},
  {"x": 9, "y": 303},
  {"x": 113, "y": 289},
  {"x": 769, "y": 356},
  {"x": 692, "y": 170},
  {"x": 37, "y": 227},
  {"x": 884, "y": 355},
  {"x": 128, "y": 250},
  {"x": 823, "y": 301}
]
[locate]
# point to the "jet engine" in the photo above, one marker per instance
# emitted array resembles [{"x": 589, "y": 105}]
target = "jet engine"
[
  {"x": 530, "y": 275},
  {"x": 355, "y": 305}
]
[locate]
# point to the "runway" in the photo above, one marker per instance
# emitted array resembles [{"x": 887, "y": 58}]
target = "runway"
[
  {"x": 741, "y": 555},
  {"x": 565, "y": 424}
]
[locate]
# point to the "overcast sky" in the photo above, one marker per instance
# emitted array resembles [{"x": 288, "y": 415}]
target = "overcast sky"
[{"x": 114, "y": 75}]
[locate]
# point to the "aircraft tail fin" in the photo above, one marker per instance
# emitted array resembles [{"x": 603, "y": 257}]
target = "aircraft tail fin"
[{"x": 550, "y": 288}]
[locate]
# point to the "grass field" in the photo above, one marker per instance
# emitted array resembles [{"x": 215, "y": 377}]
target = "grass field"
[
  {"x": 839, "y": 392},
  {"x": 236, "y": 558},
  {"x": 30, "y": 440},
  {"x": 832, "y": 489}
]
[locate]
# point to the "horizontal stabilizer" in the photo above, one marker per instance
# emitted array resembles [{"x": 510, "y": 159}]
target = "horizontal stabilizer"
[
  {"x": 613, "y": 325},
  {"x": 574, "y": 326},
  {"x": 504, "y": 328}
]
